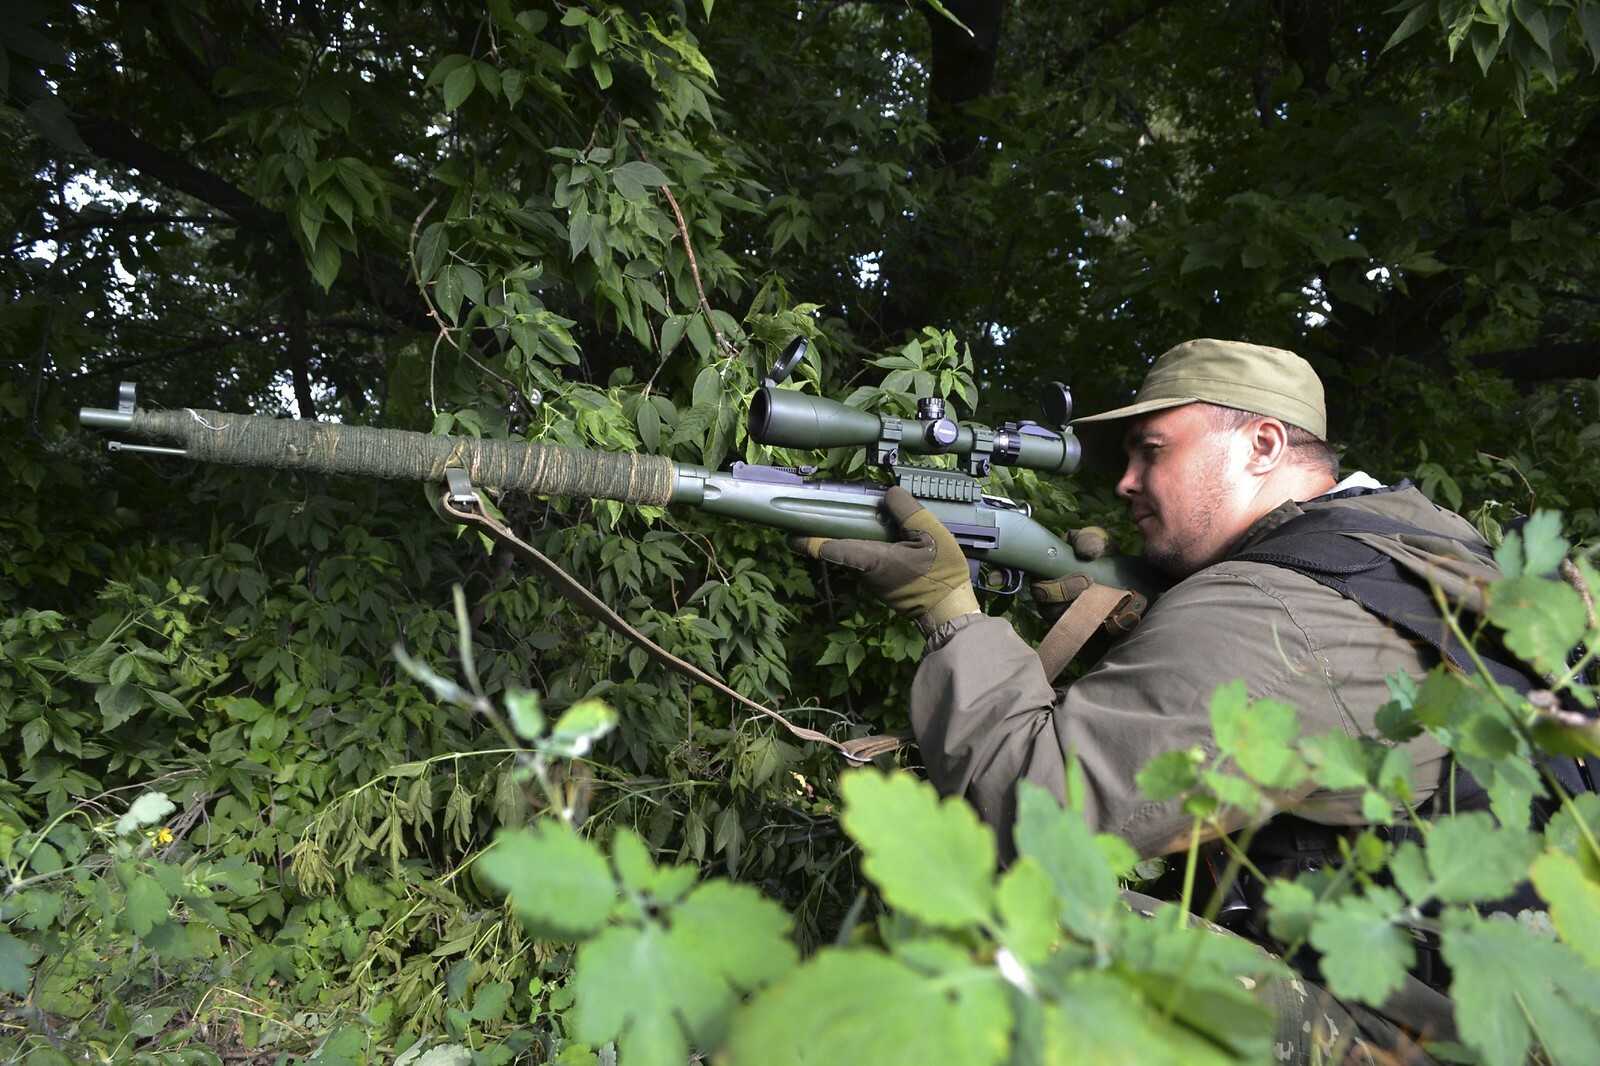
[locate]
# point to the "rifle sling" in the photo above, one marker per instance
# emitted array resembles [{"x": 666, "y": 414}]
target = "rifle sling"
[
  {"x": 859, "y": 749},
  {"x": 1088, "y": 612}
]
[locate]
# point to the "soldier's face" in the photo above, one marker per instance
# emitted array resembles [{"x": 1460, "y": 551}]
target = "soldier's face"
[{"x": 1185, "y": 488}]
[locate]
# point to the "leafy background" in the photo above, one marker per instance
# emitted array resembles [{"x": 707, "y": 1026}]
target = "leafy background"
[{"x": 597, "y": 224}]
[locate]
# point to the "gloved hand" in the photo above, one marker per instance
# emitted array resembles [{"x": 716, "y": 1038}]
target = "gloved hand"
[
  {"x": 1055, "y": 594},
  {"x": 923, "y": 575}
]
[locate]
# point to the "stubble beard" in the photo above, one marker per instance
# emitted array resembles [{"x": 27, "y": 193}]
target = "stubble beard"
[{"x": 1182, "y": 552}]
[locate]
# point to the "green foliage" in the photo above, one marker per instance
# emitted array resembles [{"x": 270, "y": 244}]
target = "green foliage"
[
  {"x": 662, "y": 960},
  {"x": 984, "y": 966},
  {"x": 578, "y": 224},
  {"x": 1536, "y": 37},
  {"x": 94, "y": 901}
]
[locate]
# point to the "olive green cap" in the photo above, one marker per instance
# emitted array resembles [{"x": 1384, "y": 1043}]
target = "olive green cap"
[{"x": 1249, "y": 377}]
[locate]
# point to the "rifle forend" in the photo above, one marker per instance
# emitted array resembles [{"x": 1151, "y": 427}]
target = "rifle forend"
[{"x": 393, "y": 454}]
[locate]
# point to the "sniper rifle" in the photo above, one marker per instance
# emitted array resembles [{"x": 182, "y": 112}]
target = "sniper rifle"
[{"x": 1003, "y": 543}]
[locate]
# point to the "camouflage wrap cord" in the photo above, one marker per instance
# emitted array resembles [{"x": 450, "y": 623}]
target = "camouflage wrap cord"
[{"x": 400, "y": 455}]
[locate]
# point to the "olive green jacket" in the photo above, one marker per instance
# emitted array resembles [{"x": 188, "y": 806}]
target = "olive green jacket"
[{"x": 985, "y": 717}]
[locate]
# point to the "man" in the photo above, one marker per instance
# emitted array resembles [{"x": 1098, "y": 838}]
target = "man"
[{"x": 1225, "y": 444}]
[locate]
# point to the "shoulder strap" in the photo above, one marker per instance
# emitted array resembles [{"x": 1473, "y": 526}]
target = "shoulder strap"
[
  {"x": 1320, "y": 545},
  {"x": 1096, "y": 607}
]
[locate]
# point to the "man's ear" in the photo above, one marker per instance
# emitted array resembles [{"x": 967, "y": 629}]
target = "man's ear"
[{"x": 1269, "y": 445}]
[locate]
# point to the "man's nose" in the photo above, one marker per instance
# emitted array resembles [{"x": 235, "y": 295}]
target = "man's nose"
[{"x": 1129, "y": 483}]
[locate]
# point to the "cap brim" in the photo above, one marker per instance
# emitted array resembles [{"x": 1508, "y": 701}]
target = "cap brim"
[
  {"x": 1134, "y": 410},
  {"x": 1101, "y": 435}
]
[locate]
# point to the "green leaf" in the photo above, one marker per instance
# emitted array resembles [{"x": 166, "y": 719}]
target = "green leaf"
[
  {"x": 579, "y": 727},
  {"x": 1415, "y": 19},
  {"x": 16, "y": 959},
  {"x": 1574, "y": 903},
  {"x": 458, "y": 85},
  {"x": 1534, "y": 549},
  {"x": 578, "y": 232},
  {"x": 488, "y": 77},
  {"x": 1063, "y": 845},
  {"x": 1469, "y": 858},
  {"x": 1409, "y": 868},
  {"x": 1589, "y": 22},
  {"x": 342, "y": 1047},
  {"x": 636, "y": 869},
  {"x": 1512, "y": 986},
  {"x": 147, "y": 904},
  {"x": 1026, "y": 901},
  {"x": 1097, "y": 1018},
  {"x": 1291, "y": 910},
  {"x": 149, "y": 809},
  {"x": 489, "y": 1001},
  {"x": 1565, "y": 732},
  {"x": 559, "y": 884},
  {"x": 1512, "y": 784},
  {"x": 1570, "y": 829},
  {"x": 1485, "y": 46},
  {"x": 672, "y": 331},
  {"x": 707, "y": 390},
  {"x": 736, "y": 932},
  {"x": 35, "y": 734},
  {"x": 1189, "y": 974},
  {"x": 933, "y": 860},
  {"x": 1542, "y": 619},
  {"x": 850, "y": 1005},
  {"x": 431, "y": 250},
  {"x": 50, "y": 117},
  {"x": 445, "y": 1055},
  {"x": 176, "y": 940},
  {"x": 118, "y": 703},
  {"x": 635, "y": 180},
  {"x": 1383, "y": 773},
  {"x": 1231, "y": 790},
  {"x": 325, "y": 260},
  {"x": 648, "y": 422},
  {"x": 700, "y": 336},
  {"x": 1171, "y": 774},
  {"x": 1532, "y": 18},
  {"x": 655, "y": 992},
  {"x": 527, "y": 719},
  {"x": 1365, "y": 955},
  {"x": 1259, "y": 736}
]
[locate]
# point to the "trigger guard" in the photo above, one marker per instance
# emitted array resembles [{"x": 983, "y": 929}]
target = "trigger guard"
[{"x": 1002, "y": 580}]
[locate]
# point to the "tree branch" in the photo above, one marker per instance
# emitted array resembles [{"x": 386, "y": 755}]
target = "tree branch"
[
  {"x": 1539, "y": 363},
  {"x": 117, "y": 143}
]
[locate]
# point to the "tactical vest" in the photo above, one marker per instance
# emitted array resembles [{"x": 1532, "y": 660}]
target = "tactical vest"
[{"x": 1322, "y": 546}]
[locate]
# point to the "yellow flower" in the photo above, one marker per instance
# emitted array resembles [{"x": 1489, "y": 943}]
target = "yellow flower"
[{"x": 163, "y": 835}]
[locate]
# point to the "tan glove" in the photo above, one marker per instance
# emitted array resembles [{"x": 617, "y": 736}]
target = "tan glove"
[
  {"x": 923, "y": 575},
  {"x": 1054, "y": 595}
]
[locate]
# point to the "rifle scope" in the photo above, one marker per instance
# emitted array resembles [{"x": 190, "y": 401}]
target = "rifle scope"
[{"x": 790, "y": 419}]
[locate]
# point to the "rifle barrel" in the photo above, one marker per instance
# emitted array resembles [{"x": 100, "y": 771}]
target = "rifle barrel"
[{"x": 398, "y": 455}]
